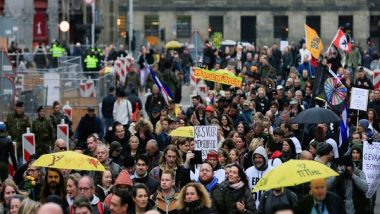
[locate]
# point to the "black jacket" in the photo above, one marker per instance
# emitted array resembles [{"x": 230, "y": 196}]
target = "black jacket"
[{"x": 332, "y": 202}]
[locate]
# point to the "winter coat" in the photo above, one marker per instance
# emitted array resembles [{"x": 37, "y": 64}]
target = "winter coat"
[
  {"x": 162, "y": 206},
  {"x": 151, "y": 183},
  {"x": 220, "y": 198},
  {"x": 332, "y": 203},
  {"x": 195, "y": 207},
  {"x": 242, "y": 195}
]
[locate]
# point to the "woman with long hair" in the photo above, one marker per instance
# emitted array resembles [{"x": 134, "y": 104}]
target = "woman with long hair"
[
  {"x": 194, "y": 198},
  {"x": 104, "y": 183},
  {"x": 8, "y": 190},
  {"x": 72, "y": 187},
  {"x": 28, "y": 206},
  {"x": 238, "y": 188},
  {"x": 372, "y": 119},
  {"x": 226, "y": 124},
  {"x": 288, "y": 150},
  {"x": 15, "y": 203}
]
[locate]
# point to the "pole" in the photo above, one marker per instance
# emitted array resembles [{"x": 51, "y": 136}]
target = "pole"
[
  {"x": 130, "y": 28},
  {"x": 93, "y": 25}
]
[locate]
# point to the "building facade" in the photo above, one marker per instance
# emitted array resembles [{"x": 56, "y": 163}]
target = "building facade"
[{"x": 259, "y": 21}]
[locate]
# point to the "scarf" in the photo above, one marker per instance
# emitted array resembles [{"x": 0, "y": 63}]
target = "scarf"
[
  {"x": 238, "y": 185},
  {"x": 212, "y": 184}
]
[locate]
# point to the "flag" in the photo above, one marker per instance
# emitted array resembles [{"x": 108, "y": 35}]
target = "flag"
[
  {"x": 343, "y": 127},
  {"x": 340, "y": 41},
  {"x": 165, "y": 91},
  {"x": 313, "y": 42}
]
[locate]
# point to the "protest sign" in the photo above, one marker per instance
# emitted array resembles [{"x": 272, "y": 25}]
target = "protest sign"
[
  {"x": 205, "y": 139},
  {"x": 220, "y": 76},
  {"x": 359, "y": 99},
  {"x": 371, "y": 166}
]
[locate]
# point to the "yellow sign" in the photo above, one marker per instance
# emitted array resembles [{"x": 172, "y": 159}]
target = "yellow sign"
[
  {"x": 220, "y": 76},
  {"x": 313, "y": 42}
]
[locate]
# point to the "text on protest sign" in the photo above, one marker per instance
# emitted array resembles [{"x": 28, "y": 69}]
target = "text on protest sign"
[
  {"x": 359, "y": 99},
  {"x": 205, "y": 139},
  {"x": 371, "y": 166}
]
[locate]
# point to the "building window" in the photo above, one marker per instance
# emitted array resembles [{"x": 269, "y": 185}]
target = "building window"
[
  {"x": 183, "y": 26},
  {"x": 347, "y": 23},
  {"x": 248, "y": 29},
  {"x": 215, "y": 25},
  {"x": 314, "y": 22},
  {"x": 281, "y": 27},
  {"x": 151, "y": 25},
  {"x": 374, "y": 27}
]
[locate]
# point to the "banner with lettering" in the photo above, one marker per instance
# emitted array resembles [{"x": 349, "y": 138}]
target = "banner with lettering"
[
  {"x": 40, "y": 27},
  {"x": 371, "y": 166},
  {"x": 205, "y": 139},
  {"x": 219, "y": 76}
]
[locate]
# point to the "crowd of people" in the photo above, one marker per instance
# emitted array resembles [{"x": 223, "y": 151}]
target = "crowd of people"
[{"x": 149, "y": 171}]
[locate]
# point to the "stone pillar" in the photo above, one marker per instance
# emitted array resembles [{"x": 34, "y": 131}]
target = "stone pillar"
[
  {"x": 200, "y": 22},
  {"x": 264, "y": 28},
  {"x": 329, "y": 27},
  {"x": 361, "y": 27},
  {"x": 232, "y": 26},
  {"x": 168, "y": 21},
  {"x": 296, "y": 26},
  {"x": 52, "y": 12}
]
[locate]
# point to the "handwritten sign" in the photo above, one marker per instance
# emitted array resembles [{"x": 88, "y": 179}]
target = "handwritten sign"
[
  {"x": 359, "y": 99},
  {"x": 205, "y": 139},
  {"x": 220, "y": 76},
  {"x": 371, "y": 166}
]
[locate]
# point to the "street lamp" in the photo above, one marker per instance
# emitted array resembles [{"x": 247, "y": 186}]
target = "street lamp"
[{"x": 64, "y": 26}]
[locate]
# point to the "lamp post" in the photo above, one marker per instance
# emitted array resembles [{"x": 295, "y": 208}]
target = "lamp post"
[{"x": 130, "y": 28}]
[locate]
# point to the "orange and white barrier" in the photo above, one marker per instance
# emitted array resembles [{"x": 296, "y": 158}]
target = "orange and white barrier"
[{"x": 28, "y": 145}]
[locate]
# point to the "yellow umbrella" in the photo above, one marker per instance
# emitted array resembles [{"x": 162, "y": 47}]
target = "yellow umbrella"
[
  {"x": 69, "y": 160},
  {"x": 292, "y": 173},
  {"x": 184, "y": 131},
  {"x": 172, "y": 44}
]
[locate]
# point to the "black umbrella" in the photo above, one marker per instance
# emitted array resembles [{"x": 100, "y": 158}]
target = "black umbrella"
[{"x": 316, "y": 115}]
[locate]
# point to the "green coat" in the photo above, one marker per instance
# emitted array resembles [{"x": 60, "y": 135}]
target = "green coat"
[
  {"x": 16, "y": 126},
  {"x": 44, "y": 134},
  {"x": 170, "y": 79}
]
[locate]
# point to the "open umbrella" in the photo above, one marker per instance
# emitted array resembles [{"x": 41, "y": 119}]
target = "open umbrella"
[
  {"x": 172, "y": 44},
  {"x": 184, "y": 131},
  {"x": 292, "y": 173},
  {"x": 335, "y": 91},
  {"x": 69, "y": 160},
  {"x": 316, "y": 115}
]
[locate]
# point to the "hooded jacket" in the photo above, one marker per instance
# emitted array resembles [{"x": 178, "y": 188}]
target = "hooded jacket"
[
  {"x": 254, "y": 174},
  {"x": 123, "y": 179}
]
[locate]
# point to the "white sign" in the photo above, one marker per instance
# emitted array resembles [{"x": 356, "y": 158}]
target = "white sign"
[
  {"x": 371, "y": 166},
  {"x": 359, "y": 99},
  {"x": 205, "y": 139},
  {"x": 283, "y": 45}
]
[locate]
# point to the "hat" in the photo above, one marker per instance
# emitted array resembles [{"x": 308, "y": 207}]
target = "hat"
[
  {"x": 90, "y": 108},
  {"x": 156, "y": 109},
  {"x": 280, "y": 87},
  {"x": 364, "y": 123},
  {"x": 212, "y": 154},
  {"x": 324, "y": 149},
  {"x": 114, "y": 146},
  {"x": 358, "y": 147},
  {"x": 19, "y": 104},
  {"x": 40, "y": 108},
  {"x": 209, "y": 109}
]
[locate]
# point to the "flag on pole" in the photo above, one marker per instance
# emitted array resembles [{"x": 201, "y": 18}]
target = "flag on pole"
[
  {"x": 340, "y": 41},
  {"x": 313, "y": 42},
  {"x": 344, "y": 130},
  {"x": 165, "y": 91}
]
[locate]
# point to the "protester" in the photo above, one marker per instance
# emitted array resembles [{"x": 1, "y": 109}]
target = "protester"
[{"x": 194, "y": 198}]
